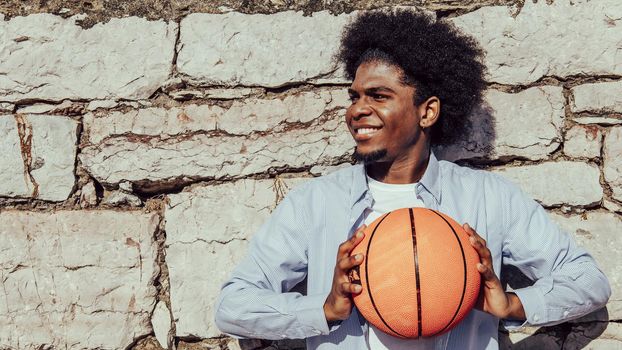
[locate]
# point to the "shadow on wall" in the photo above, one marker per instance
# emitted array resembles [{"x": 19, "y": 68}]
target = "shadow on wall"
[
  {"x": 576, "y": 334},
  {"x": 477, "y": 141}
]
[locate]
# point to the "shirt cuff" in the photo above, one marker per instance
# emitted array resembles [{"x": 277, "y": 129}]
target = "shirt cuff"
[
  {"x": 310, "y": 314},
  {"x": 534, "y": 305}
]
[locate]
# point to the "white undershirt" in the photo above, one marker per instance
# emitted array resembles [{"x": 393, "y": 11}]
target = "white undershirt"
[{"x": 389, "y": 197}]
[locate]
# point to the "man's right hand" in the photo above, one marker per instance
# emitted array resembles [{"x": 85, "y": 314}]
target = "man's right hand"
[{"x": 338, "y": 304}]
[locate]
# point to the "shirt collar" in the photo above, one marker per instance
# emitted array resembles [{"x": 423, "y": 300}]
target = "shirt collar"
[{"x": 430, "y": 180}]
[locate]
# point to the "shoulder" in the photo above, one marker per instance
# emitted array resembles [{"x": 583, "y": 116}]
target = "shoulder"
[
  {"x": 336, "y": 183},
  {"x": 456, "y": 175}
]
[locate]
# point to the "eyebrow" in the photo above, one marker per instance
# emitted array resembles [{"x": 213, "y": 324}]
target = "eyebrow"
[{"x": 372, "y": 90}]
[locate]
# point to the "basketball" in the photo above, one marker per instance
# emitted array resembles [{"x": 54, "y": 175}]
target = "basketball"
[{"x": 419, "y": 276}]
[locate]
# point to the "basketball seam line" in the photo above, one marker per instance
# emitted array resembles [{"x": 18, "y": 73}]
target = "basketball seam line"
[
  {"x": 465, "y": 273},
  {"x": 371, "y": 298},
  {"x": 417, "y": 281}
]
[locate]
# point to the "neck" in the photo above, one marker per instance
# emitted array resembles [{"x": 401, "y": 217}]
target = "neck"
[{"x": 404, "y": 170}]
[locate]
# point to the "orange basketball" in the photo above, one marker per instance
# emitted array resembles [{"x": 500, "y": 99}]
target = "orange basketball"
[{"x": 419, "y": 276}]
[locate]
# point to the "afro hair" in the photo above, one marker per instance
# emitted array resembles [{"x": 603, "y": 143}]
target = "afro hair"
[{"x": 436, "y": 58}]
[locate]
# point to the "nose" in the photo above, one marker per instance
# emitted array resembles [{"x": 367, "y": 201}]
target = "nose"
[{"x": 359, "y": 109}]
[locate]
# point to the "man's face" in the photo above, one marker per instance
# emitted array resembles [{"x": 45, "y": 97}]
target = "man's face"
[{"x": 382, "y": 117}]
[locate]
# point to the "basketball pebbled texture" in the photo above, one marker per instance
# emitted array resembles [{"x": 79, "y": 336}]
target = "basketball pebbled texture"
[{"x": 419, "y": 276}]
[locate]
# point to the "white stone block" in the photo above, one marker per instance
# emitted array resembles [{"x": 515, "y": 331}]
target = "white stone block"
[
  {"x": 116, "y": 198},
  {"x": 152, "y": 122},
  {"x": 207, "y": 232},
  {"x": 583, "y": 141},
  {"x": 161, "y": 322},
  {"x": 562, "y": 39},
  {"x": 76, "y": 279},
  {"x": 259, "y": 134},
  {"x": 612, "y": 156},
  {"x": 520, "y": 125},
  {"x": 599, "y": 233},
  {"x": 40, "y": 156},
  {"x": 266, "y": 50},
  {"x": 43, "y": 108},
  {"x": 56, "y": 59},
  {"x": 264, "y": 115},
  {"x": 558, "y": 183},
  {"x": 598, "y": 97},
  {"x": 88, "y": 195},
  {"x": 14, "y": 180},
  {"x": 600, "y": 120}
]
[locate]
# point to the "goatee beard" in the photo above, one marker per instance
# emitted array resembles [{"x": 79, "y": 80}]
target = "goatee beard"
[{"x": 370, "y": 157}]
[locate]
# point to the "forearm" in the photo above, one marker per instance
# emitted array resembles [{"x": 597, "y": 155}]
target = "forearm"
[
  {"x": 259, "y": 313},
  {"x": 516, "y": 310},
  {"x": 562, "y": 297}
]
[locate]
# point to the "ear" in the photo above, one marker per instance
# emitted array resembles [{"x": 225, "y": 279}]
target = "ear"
[{"x": 429, "y": 110}]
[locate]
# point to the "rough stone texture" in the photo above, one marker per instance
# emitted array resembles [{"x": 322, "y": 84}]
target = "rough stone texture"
[
  {"x": 580, "y": 185},
  {"x": 583, "y": 141},
  {"x": 526, "y": 125},
  {"x": 537, "y": 42},
  {"x": 612, "y": 206},
  {"x": 47, "y": 57},
  {"x": 161, "y": 322},
  {"x": 116, "y": 198},
  {"x": 88, "y": 195},
  {"x": 43, "y": 108},
  {"x": 599, "y": 97},
  {"x": 102, "y": 11},
  {"x": 599, "y": 233},
  {"x": 603, "y": 120},
  {"x": 6, "y": 107},
  {"x": 39, "y": 156},
  {"x": 93, "y": 105},
  {"x": 207, "y": 231},
  {"x": 238, "y": 49},
  {"x": 260, "y": 135},
  {"x": 14, "y": 182},
  {"x": 71, "y": 279},
  {"x": 151, "y": 122},
  {"x": 612, "y": 154}
]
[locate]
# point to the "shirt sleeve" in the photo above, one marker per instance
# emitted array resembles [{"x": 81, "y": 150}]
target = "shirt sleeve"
[
  {"x": 255, "y": 302},
  {"x": 568, "y": 283}
]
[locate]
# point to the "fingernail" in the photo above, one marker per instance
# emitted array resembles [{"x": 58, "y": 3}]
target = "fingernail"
[
  {"x": 472, "y": 239},
  {"x": 359, "y": 234},
  {"x": 357, "y": 288},
  {"x": 358, "y": 257}
]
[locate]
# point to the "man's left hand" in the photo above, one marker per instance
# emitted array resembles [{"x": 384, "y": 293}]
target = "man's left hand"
[{"x": 492, "y": 298}]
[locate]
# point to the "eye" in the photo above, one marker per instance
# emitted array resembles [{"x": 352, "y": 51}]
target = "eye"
[
  {"x": 353, "y": 98},
  {"x": 379, "y": 97}
]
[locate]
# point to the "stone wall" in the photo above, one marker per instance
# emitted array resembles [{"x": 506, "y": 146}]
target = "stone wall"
[{"x": 144, "y": 142}]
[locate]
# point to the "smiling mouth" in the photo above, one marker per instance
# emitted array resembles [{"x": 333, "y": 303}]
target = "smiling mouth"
[
  {"x": 366, "y": 131},
  {"x": 364, "y": 134}
]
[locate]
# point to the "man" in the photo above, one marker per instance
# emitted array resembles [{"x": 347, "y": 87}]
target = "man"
[{"x": 414, "y": 82}]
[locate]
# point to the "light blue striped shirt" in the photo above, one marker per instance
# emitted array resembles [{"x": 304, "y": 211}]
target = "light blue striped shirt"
[{"x": 302, "y": 236}]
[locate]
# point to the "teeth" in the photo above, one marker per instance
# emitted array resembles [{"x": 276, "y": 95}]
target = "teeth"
[{"x": 366, "y": 130}]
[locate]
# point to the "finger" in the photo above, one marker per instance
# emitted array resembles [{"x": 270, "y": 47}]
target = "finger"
[
  {"x": 346, "y": 247},
  {"x": 471, "y": 232},
  {"x": 484, "y": 253},
  {"x": 488, "y": 275},
  {"x": 350, "y": 288},
  {"x": 347, "y": 263}
]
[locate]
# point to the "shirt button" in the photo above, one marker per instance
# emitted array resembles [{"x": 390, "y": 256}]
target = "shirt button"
[{"x": 536, "y": 318}]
